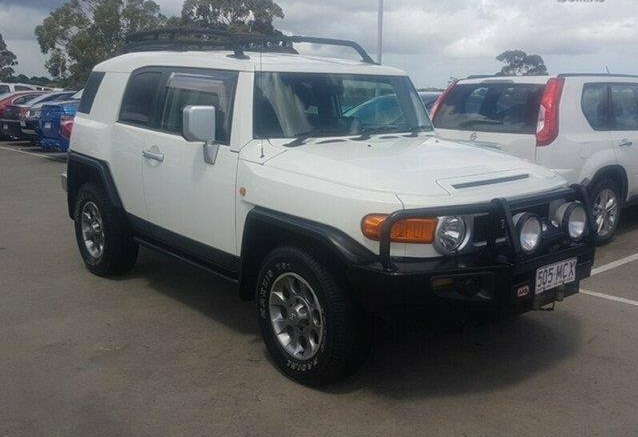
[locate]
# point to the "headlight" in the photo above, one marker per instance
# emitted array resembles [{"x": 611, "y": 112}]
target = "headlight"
[
  {"x": 572, "y": 219},
  {"x": 451, "y": 235},
  {"x": 529, "y": 229}
]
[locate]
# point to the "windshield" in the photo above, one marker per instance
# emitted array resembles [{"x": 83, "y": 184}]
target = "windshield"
[{"x": 289, "y": 105}]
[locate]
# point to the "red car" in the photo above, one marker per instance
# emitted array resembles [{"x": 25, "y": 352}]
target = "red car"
[{"x": 9, "y": 99}]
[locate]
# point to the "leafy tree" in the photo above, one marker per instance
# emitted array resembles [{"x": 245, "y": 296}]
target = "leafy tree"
[
  {"x": 7, "y": 60},
  {"x": 81, "y": 33},
  {"x": 246, "y": 16},
  {"x": 519, "y": 63}
]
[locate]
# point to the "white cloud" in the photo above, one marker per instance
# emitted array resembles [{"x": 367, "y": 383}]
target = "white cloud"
[{"x": 433, "y": 39}]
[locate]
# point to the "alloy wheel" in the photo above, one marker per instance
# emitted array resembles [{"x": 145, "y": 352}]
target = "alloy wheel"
[
  {"x": 606, "y": 212},
  {"x": 296, "y": 316},
  {"x": 92, "y": 229}
]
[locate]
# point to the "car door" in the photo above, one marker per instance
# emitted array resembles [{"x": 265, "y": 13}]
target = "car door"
[
  {"x": 192, "y": 203},
  {"x": 624, "y": 112},
  {"x": 130, "y": 135}
]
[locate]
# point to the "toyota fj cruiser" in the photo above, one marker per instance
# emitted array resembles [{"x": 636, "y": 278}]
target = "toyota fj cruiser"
[{"x": 268, "y": 168}]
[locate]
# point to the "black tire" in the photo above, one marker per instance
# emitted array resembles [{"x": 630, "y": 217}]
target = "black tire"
[
  {"x": 596, "y": 189},
  {"x": 346, "y": 336},
  {"x": 119, "y": 252}
]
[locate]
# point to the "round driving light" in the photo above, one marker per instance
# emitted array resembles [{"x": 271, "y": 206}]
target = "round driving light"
[
  {"x": 451, "y": 235},
  {"x": 572, "y": 219},
  {"x": 529, "y": 230}
]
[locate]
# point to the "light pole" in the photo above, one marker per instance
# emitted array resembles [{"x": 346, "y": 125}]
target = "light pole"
[{"x": 380, "y": 33}]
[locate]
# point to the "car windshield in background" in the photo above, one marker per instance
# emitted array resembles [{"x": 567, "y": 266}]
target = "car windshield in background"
[
  {"x": 491, "y": 107},
  {"x": 290, "y": 105}
]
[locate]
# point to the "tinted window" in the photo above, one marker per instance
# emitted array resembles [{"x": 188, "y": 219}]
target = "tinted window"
[
  {"x": 4, "y": 89},
  {"x": 22, "y": 88},
  {"x": 594, "y": 105},
  {"x": 90, "y": 90},
  {"x": 137, "y": 104},
  {"x": 23, "y": 99},
  {"x": 624, "y": 100},
  {"x": 208, "y": 89},
  {"x": 491, "y": 107},
  {"x": 288, "y": 105}
]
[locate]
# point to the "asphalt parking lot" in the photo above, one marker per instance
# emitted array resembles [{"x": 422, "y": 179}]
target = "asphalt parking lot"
[{"x": 168, "y": 350}]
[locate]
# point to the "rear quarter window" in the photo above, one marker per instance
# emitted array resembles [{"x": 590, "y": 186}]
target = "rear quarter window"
[
  {"x": 139, "y": 97},
  {"x": 90, "y": 91},
  {"x": 594, "y": 105},
  {"x": 491, "y": 107},
  {"x": 4, "y": 89}
]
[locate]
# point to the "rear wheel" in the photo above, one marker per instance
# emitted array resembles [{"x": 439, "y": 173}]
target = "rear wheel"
[
  {"x": 314, "y": 330},
  {"x": 102, "y": 235},
  {"x": 606, "y": 203}
]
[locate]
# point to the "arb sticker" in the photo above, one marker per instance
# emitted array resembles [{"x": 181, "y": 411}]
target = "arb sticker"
[{"x": 522, "y": 291}]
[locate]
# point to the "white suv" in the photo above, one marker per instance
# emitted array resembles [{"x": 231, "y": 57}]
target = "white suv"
[
  {"x": 584, "y": 126},
  {"x": 269, "y": 169}
]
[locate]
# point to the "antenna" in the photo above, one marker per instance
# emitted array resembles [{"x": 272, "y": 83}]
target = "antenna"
[{"x": 607, "y": 68}]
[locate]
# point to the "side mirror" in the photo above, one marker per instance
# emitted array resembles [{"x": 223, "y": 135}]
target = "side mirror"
[{"x": 198, "y": 124}]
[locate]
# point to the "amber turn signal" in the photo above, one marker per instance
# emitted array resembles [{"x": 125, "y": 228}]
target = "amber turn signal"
[{"x": 419, "y": 230}]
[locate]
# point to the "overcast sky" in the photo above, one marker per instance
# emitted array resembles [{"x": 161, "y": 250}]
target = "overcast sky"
[{"x": 431, "y": 39}]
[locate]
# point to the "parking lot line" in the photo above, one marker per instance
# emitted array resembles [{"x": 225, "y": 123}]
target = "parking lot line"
[
  {"x": 57, "y": 157},
  {"x": 609, "y": 297},
  {"x": 614, "y": 264}
]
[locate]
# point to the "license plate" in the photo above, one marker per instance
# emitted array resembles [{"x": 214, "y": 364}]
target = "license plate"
[
  {"x": 47, "y": 125},
  {"x": 556, "y": 274},
  {"x": 23, "y": 123},
  {"x": 5, "y": 126}
]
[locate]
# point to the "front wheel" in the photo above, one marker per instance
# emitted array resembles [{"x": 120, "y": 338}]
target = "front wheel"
[
  {"x": 606, "y": 201},
  {"x": 314, "y": 330}
]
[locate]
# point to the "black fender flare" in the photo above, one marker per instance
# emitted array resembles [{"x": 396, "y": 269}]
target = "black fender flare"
[
  {"x": 81, "y": 169},
  {"x": 266, "y": 229}
]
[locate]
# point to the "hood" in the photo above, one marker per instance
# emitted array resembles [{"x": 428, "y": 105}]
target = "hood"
[{"x": 416, "y": 167}]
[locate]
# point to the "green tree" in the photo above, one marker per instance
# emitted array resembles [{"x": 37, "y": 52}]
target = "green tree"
[
  {"x": 245, "y": 16},
  {"x": 7, "y": 60},
  {"x": 82, "y": 33},
  {"x": 519, "y": 63}
]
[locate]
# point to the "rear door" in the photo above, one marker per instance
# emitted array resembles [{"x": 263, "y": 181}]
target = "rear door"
[
  {"x": 493, "y": 113},
  {"x": 130, "y": 136},
  {"x": 624, "y": 116}
]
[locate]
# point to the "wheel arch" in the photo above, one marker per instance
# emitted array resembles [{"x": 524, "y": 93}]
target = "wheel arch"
[
  {"x": 82, "y": 169},
  {"x": 265, "y": 230},
  {"x": 615, "y": 172}
]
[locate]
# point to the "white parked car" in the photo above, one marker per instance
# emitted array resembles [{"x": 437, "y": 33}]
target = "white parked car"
[
  {"x": 584, "y": 126},
  {"x": 245, "y": 163}
]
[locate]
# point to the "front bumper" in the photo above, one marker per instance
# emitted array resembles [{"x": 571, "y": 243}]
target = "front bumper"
[
  {"x": 498, "y": 276},
  {"x": 470, "y": 281}
]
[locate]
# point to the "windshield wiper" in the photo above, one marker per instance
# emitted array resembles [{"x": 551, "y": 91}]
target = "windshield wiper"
[
  {"x": 302, "y": 137},
  {"x": 414, "y": 131}
]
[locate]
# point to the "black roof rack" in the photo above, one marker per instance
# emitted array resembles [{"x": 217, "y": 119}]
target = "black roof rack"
[
  {"x": 596, "y": 75},
  {"x": 215, "y": 39}
]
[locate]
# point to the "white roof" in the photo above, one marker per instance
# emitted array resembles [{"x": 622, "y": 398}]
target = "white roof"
[
  {"x": 543, "y": 79},
  {"x": 507, "y": 79},
  {"x": 256, "y": 62}
]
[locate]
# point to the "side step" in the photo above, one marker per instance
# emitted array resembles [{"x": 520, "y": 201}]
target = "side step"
[{"x": 187, "y": 258}]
